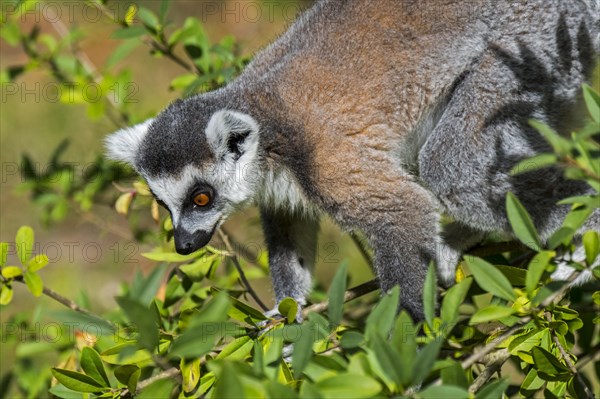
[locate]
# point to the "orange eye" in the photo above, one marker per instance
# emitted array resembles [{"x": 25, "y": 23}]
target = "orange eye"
[{"x": 201, "y": 199}]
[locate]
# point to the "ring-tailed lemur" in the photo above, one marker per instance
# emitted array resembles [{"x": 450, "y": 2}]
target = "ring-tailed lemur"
[{"x": 382, "y": 114}]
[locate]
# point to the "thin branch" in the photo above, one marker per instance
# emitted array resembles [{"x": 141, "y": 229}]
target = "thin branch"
[
  {"x": 69, "y": 303},
  {"x": 567, "y": 358},
  {"x": 351, "y": 294},
  {"x": 493, "y": 365},
  {"x": 237, "y": 265}
]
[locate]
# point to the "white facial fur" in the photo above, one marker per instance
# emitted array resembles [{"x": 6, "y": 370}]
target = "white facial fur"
[{"x": 124, "y": 144}]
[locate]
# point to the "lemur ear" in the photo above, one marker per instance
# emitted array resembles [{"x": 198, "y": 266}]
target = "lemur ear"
[
  {"x": 124, "y": 144},
  {"x": 232, "y": 134}
]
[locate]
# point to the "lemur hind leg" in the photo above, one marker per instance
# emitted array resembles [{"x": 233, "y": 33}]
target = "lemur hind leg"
[{"x": 291, "y": 241}]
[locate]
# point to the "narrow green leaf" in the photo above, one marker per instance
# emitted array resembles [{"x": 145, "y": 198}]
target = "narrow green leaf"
[
  {"x": 337, "y": 289},
  {"x": 236, "y": 349},
  {"x": 534, "y": 163},
  {"x": 430, "y": 294},
  {"x": 258, "y": 359},
  {"x": 536, "y": 269},
  {"x": 454, "y": 375},
  {"x": 129, "y": 32},
  {"x": 425, "y": 360},
  {"x": 592, "y": 101},
  {"x": 443, "y": 392},
  {"x": 303, "y": 349},
  {"x": 521, "y": 222},
  {"x": 34, "y": 283},
  {"x": 200, "y": 339},
  {"x": 76, "y": 381},
  {"x": 128, "y": 375},
  {"x": 121, "y": 52},
  {"x": 452, "y": 300},
  {"x": 3, "y": 253},
  {"x": 37, "y": 262},
  {"x": 228, "y": 384},
  {"x": 144, "y": 319},
  {"x": 345, "y": 386},
  {"x": 548, "y": 366},
  {"x": 351, "y": 339},
  {"x": 591, "y": 244},
  {"x": 381, "y": 318},
  {"x": 385, "y": 359},
  {"x": 288, "y": 308},
  {"x": 559, "y": 144},
  {"x": 494, "y": 390},
  {"x": 91, "y": 364},
  {"x": 490, "y": 279},
  {"x": 404, "y": 340},
  {"x": 11, "y": 271},
  {"x": 490, "y": 313},
  {"x": 24, "y": 242}
]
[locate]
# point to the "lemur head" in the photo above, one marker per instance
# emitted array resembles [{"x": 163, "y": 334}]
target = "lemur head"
[{"x": 200, "y": 160}]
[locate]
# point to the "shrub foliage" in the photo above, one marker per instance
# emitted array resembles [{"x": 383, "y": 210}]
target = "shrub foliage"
[{"x": 194, "y": 327}]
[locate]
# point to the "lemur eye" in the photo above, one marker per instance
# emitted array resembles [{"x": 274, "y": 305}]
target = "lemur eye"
[{"x": 202, "y": 199}]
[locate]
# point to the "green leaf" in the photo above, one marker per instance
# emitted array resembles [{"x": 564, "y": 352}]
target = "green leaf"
[
  {"x": 345, "y": 386},
  {"x": 121, "y": 52},
  {"x": 489, "y": 313},
  {"x": 37, "y": 262},
  {"x": 425, "y": 360},
  {"x": 534, "y": 163},
  {"x": 158, "y": 389},
  {"x": 288, "y": 308},
  {"x": 144, "y": 319},
  {"x": 11, "y": 271},
  {"x": 493, "y": 390},
  {"x": 351, "y": 339},
  {"x": 591, "y": 243},
  {"x": 381, "y": 318},
  {"x": 548, "y": 366},
  {"x": 236, "y": 349},
  {"x": 172, "y": 257},
  {"x": 148, "y": 18},
  {"x": 592, "y": 101},
  {"x": 277, "y": 391},
  {"x": 452, "y": 300},
  {"x": 454, "y": 375},
  {"x": 91, "y": 364},
  {"x": 490, "y": 279},
  {"x": 199, "y": 339},
  {"x": 128, "y": 375},
  {"x": 6, "y": 295},
  {"x": 335, "y": 311},
  {"x": 3, "y": 253},
  {"x": 24, "y": 242},
  {"x": 303, "y": 349},
  {"x": 190, "y": 375},
  {"x": 430, "y": 295},
  {"x": 144, "y": 289},
  {"x": 536, "y": 269},
  {"x": 404, "y": 340},
  {"x": 443, "y": 392},
  {"x": 559, "y": 144},
  {"x": 384, "y": 359},
  {"x": 521, "y": 223},
  {"x": 76, "y": 381},
  {"x": 129, "y": 32},
  {"x": 228, "y": 384},
  {"x": 34, "y": 283}
]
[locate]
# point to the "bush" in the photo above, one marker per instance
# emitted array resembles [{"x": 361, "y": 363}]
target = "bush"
[{"x": 194, "y": 326}]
